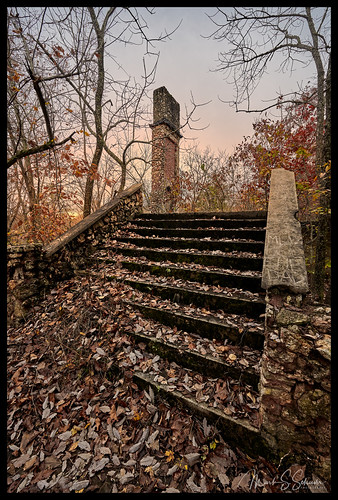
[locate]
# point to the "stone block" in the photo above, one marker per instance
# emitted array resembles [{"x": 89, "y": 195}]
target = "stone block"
[
  {"x": 294, "y": 341},
  {"x": 287, "y": 317},
  {"x": 284, "y": 261},
  {"x": 323, "y": 346},
  {"x": 315, "y": 403}
]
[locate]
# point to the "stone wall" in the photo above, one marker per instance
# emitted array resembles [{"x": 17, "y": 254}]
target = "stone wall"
[
  {"x": 295, "y": 383},
  {"x": 32, "y": 269}
]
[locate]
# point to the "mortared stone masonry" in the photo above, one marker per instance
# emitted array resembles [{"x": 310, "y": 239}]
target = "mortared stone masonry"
[{"x": 165, "y": 151}]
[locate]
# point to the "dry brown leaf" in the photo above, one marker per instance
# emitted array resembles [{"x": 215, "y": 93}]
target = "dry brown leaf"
[
  {"x": 27, "y": 437},
  {"x": 73, "y": 446},
  {"x": 30, "y": 462},
  {"x": 241, "y": 482}
]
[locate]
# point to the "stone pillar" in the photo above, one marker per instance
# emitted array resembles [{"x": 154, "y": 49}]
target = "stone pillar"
[
  {"x": 165, "y": 151},
  {"x": 284, "y": 261},
  {"x": 295, "y": 380}
]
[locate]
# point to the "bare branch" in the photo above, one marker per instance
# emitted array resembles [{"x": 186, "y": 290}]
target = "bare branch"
[{"x": 38, "y": 149}]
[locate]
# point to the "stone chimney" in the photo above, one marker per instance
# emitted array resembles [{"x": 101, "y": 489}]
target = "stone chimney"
[{"x": 165, "y": 151}]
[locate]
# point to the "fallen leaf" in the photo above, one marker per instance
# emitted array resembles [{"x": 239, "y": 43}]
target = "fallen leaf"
[
  {"x": 241, "y": 482},
  {"x": 105, "y": 409},
  {"x": 96, "y": 466},
  {"x": 27, "y": 438},
  {"x": 84, "y": 445},
  {"x": 79, "y": 485},
  {"x": 73, "y": 446},
  {"x": 135, "y": 447},
  {"x": 105, "y": 451},
  {"x": 192, "y": 458},
  {"x": 170, "y": 455},
  {"x": 147, "y": 460},
  {"x": 19, "y": 462},
  {"x": 192, "y": 486},
  {"x": 45, "y": 413},
  {"x": 128, "y": 476},
  {"x": 65, "y": 435},
  {"x": 224, "y": 479},
  {"x": 172, "y": 470},
  {"x": 30, "y": 462}
]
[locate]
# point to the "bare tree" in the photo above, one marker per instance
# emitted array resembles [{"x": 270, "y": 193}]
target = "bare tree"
[
  {"x": 74, "y": 84},
  {"x": 300, "y": 36},
  {"x": 113, "y": 105},
  {"x": 37, "y": 79}
]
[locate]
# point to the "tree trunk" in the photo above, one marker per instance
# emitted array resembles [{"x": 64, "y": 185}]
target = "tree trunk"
[
  {"x": 325, "y": 184},
  {"x": 98, "y": 108},
  {"x": 90, "y": 180}
]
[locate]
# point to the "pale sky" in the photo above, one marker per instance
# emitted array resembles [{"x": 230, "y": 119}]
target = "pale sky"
[{"x": 185, "y": 66}]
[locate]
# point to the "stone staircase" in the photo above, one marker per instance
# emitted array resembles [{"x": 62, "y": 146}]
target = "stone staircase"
[{"x": 195, "y": 280}]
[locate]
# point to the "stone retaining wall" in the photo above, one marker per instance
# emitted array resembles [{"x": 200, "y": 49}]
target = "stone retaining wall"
[
  {"x": 295, "y": 383},
  {"x": 32, "y": 269}
]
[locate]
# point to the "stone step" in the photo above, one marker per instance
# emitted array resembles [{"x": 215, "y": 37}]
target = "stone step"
[
  {"x": 251, "y": 214},
  {"x": 209, "y": 327},
  {"x": 236, "y": 431},
  {"x": 251, "y": 308},
  {"x": 204, "y": 364},
  {"x": 202, "y": 223},
  {"x": 206, "y": 259},
  {"x": 251, "y": 283},
  {"x": 224, "y": 246},
  {"x": 242, "y": 234}
]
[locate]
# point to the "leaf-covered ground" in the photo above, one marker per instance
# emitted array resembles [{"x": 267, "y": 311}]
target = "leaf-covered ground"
[{"x": 78, "y": 423}]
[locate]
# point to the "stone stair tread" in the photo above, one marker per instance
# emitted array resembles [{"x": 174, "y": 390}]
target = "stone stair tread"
[
  {"x": 239, "y": 427},
  {"x": 200, "y": 223},
  {"x": 213, "y": 358},
  {"x": 193, "y": 266},
  {"x": 254, "y": 307},
  {"x": 105, "y": 259},
  {"x": 241, "y": 398},
  {"x": 190, "y": 286},
  {"x": 252, "y": 233},
  {"x": 231, "y": 319},
  {"x": 216, "y": 258},
  {"x": 132, "y": 235},
  {"x": 248, "y": 214},
  {"x": 228, "y": 395},
  {"x": 170, "y": 281},
  {"x": 236, "y": 253},
  {"x": 105, "y": 256},
  {"x": 209, "y": 325},
  {"x": 198, "y": 243},
  {"x": 214, "y": 277}
]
